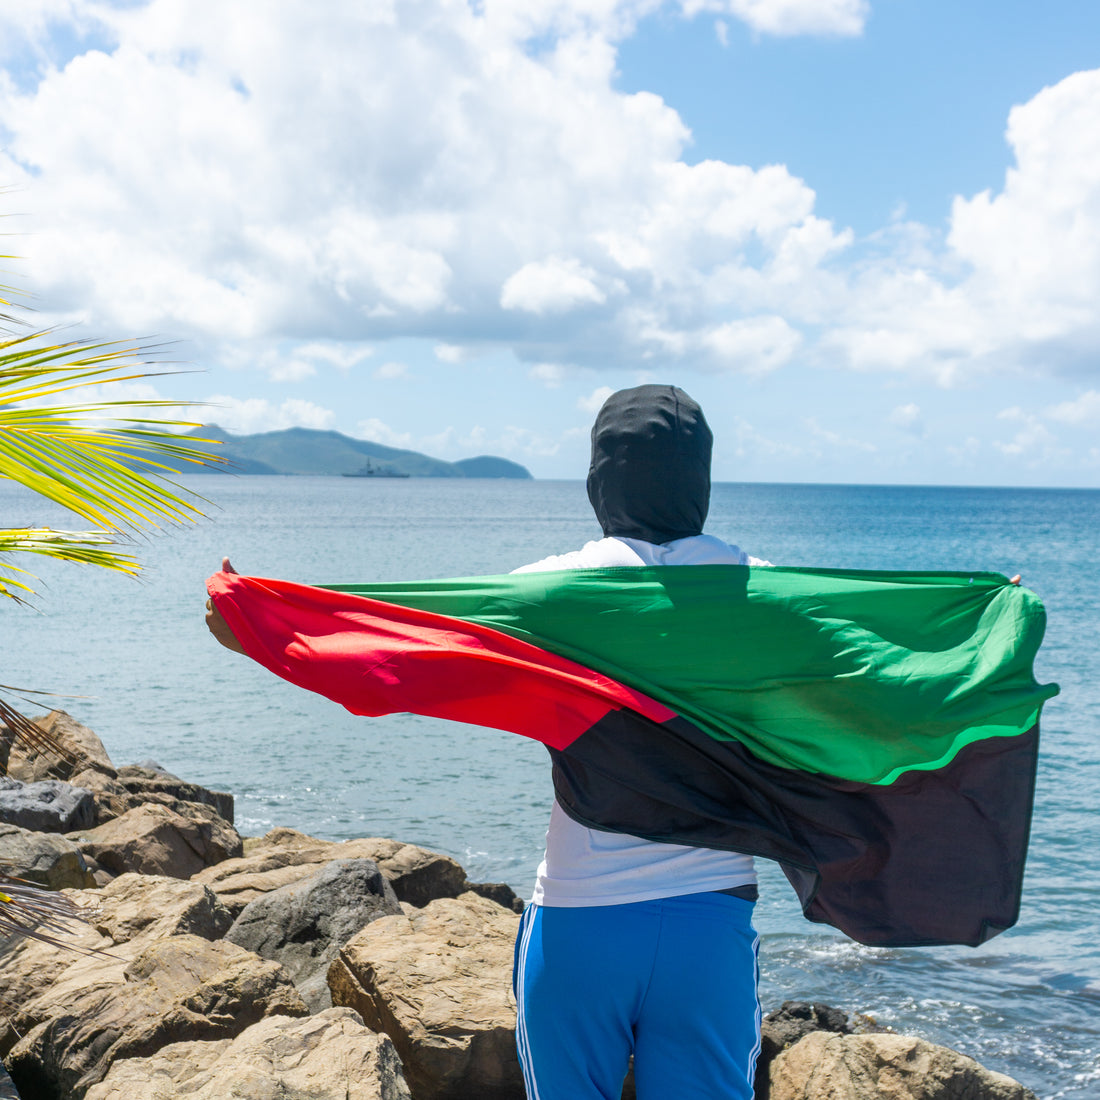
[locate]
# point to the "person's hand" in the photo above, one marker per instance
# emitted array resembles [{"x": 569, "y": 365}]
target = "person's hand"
[
  {"x": 1015, "y": 580},
  {"x": 217, "y": 625}
]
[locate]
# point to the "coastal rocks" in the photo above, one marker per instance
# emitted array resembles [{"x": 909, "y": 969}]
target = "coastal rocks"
[
  {"x": 330, "y": 1056},
  {"x": 784, "y": 1027},
  {"x": 151, "y": 783},
  {"x": 825, "y": 1066},
  {"x": 284, "y": 856},
  {"x": 124, "y": 919},
  {"x": 79, "y": 744},
  {"x": 48, "y": 806},
  {"x": 304, "y": 924},
  {"x": 438, "y": 981},
  {"x": 181, "y": 986},
  {"x": 43, "y": 858},
  {"x": 155, "y": 840}
]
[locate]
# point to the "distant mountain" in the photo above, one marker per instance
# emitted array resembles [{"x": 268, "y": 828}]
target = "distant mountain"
[
  {"x": 491, "y": 466},
  {"x": 306, "y": 451}
]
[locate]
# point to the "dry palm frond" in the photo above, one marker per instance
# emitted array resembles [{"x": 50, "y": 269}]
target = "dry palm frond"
[
  {"x": 17, "y": 727},
  {"x": 39, "y": 914}
]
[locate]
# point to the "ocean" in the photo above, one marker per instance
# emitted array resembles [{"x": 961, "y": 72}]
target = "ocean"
[{"x": 135, "y": 663}]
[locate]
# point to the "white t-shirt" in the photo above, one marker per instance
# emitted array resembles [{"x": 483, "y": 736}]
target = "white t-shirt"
[{"x": 584, "y": 866}]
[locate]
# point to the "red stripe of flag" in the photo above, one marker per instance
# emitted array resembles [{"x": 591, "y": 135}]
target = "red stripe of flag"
[{"x": 378, "y": 658}]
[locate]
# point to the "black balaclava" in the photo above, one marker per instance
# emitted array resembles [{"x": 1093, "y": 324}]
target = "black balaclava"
[{"x": 650, "y": 472}]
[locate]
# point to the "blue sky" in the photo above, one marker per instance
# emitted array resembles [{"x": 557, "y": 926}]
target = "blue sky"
[{"x": 865, "y": 234}]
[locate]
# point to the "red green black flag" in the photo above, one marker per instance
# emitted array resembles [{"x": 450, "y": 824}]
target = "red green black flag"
[{"x": 875, "y": 733}]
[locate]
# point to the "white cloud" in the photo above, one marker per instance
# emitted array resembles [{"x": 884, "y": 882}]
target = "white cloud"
[
  {"x": 722, "y": 31},
  {"x": 257, "y": 414},
  {"x": 192, "y": 177},
  {"x": 551, "y": 286},
  {"x": 836, "y": 439},
  {"x": 791, "y": 17},
  {"x": 294, "y": 370},
  {"x": 391, "y": 370},
  {"x": 377, "y": 431},
  {"x": 449, "y": 353},
  {"x": 1083, "y": 410},
  {"x": 549, "y": 374},
  {"x": 594, "y": 401},
  {"x": 907, "y": 417}
]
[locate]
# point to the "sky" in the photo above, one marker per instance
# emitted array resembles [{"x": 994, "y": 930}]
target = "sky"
[{"x": 863, "y": 234}]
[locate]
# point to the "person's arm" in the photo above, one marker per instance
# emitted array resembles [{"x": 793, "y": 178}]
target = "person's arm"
[{"x": 217, "y": 625}]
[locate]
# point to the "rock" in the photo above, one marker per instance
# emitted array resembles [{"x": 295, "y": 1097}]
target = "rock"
[
  {"x": 330, "y": 1056},
  {"x": 48, "y": 806},
  {"x": 43, "y": 858},
  {"x": 304, "y": 925},
  {"x": 825, "y": 1066},
  {"x": 183, "y": 987},
  {"x": 154, "y": 784},
  {"x": 79, "y": 742},
  {"x": 124, "y": 919},
  {"x": 155, "y": 840},
  {"x": 283, "y": 856},
  {"x": 7, "y": 1086},
  {"x": 438, "y": 981},
  {"x": 500, "y": 892},
  {"x": 786, "y": 1026}
]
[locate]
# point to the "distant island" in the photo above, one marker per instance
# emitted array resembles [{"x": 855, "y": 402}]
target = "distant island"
[{"x": 307, "y": 451}]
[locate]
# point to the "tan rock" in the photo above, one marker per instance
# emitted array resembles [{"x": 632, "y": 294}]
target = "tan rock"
[
  {"x": 183, "y": 987},
  {"x": 438, "y": 982},
  {"x": 330, "y": 1056},
  {"x": 29, "y": 765},
  {"x": 126, "y": 917},
  {"x": 155, "y": 840},
  {"x": 284, "y": 856},
  {"x": 43, "y": 858},
  {"x": 826, "y": 1066}
]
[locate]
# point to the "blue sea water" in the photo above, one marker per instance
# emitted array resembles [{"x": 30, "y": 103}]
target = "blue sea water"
[{"x": 154, "y": 685}]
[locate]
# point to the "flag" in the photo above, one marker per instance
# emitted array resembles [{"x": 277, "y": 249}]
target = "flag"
[{"x": 876, "y": 733}]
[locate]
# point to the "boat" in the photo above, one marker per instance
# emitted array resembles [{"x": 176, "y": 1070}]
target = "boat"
[{"x": 376, "y": 471}]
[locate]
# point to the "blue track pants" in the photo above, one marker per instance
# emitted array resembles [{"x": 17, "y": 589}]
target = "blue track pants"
[{"x": 672, "y": 982}]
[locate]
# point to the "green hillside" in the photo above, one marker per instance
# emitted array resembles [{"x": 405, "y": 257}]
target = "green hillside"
[{"x": 306, "y": 451}]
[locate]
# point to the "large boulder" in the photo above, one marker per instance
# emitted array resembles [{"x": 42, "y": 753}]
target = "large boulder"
[
  {"x": 151, "y": 783},
  {"x": 789, "y": 1023},
  {"x": 181, "y": 988},
  {"x": 304, "y": 925},
  {"x": 330, "y": 1056},
  {"x": 48, "y": 806},
  {"x": 43, "y": 858},
  {"x": 155, "y": 840},
  {"x": 121, "y": 921},
  {"x": 438, "y": 982},
  {"x": 284, "y": 856},
  {"x": 81, "y": 749},
  {"x": 825, "y": 1066}
]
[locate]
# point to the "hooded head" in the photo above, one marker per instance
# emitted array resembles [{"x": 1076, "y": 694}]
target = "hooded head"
[{"x": 650, "y": 472}]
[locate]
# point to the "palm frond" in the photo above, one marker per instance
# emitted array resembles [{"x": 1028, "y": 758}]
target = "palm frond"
[
  {"x": 17, "y": 727},
  {"x": 39, "y": 914}
]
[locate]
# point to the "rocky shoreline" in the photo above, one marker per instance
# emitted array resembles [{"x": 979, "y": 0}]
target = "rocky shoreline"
[{"x": 286, "y": 966}]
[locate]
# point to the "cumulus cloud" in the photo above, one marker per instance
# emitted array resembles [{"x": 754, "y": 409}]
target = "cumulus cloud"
[
  {"x": 257, "y": 414},
  {"x": 194, "y": 177},
  {"x": 594, "y": 401},
  {"x": 378, "y": 431},
  {"x": 549, "y": 374},
  {"x": 791, "y": 17},
  {"x": 472, "y": 190},
  {"x": 1083, "y": 410},
  {"x": 551, "y": 286},
  {"x": 389, "y": 371},
  {"x": 907, "y": 417}
]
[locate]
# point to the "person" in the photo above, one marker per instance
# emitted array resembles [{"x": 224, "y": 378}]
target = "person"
[{"x": 631, "y": 946}]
